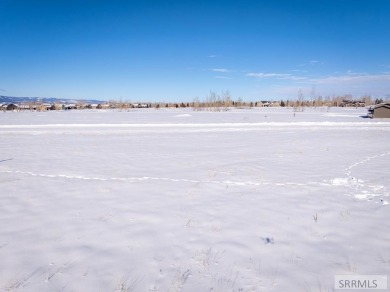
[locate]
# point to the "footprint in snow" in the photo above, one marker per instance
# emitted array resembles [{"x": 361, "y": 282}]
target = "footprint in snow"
[{"x": 268, "y": 240}]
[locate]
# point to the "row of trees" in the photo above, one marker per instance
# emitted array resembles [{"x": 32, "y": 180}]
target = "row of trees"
[
  {"x": 219, "y": 102},
  {"x": 224, "y": 100}
]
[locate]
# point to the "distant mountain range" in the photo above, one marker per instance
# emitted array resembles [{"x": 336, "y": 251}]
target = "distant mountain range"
[{"x": 13, "y": 99}]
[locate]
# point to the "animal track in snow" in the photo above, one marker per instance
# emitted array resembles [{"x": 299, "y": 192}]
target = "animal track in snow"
[
  {"x": 348, "y": 170},
  {"x": 358, "y": 187},
  {"x": 361, "y": 189},
  {"x": 148, "y": 178}
]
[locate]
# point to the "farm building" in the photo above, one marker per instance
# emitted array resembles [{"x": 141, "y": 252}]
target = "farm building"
[
  {"x": 352, "y": 103},
  {"x": 12, "y": 107},
  {"x": 92, "y": 106},
  {"x": 266, "y": 103},
  {"x": 103, "y": 106},
  {"x": 70, "y": 106},
  {"x": 379, "y": 111}
]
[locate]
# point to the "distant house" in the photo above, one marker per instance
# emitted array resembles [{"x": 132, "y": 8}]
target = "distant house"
[
  {"x": 11, "y": 107},
  {"x": 46, "y": 106},
  {"x": 139, "y": 105},
  {"x": 81, "y": 105},
  {"x": 70, "y": 106},
  {"x": 92, "y": 105},
  {"x": 268, "y": 103},
  {"x": 379, "y": 111},
  {"x": 265, "y": 103},
  {"x": 352, "y": 103},
  {"x": 103, "y": 106},
  {"x": 24, "y": 107},
  {"x": 57, "y": 106},
  {"x": 275, "y": 103}
]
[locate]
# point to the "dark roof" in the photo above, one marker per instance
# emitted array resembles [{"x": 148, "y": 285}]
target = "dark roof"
[{"x": 386, "y": 105}]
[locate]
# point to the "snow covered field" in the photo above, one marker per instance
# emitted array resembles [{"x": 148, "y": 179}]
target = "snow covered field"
[{"x": 177, "y": 200}]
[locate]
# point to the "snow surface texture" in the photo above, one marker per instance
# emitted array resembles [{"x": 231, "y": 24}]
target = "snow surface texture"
[{"x": 177, "y": 200}]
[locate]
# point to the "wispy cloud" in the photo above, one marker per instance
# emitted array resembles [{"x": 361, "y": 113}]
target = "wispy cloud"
[
  {"x": 223, "y": 77},
  {"x": 220, "y": 70},
  {"x": 2, "y": 90},
  {"x": 350, "y": 72},
  {"x": 311, "y": 63},
  {"x": 288, "y": 83},
  {"x": 351, "y": 82},
  {"x": 347, "y": 77},
  {"x": 276, "y": 75},
  {"x": 267, "y": 75},
  {"x": 211, "y": 56},
  {"x": 352, "y": 78}
]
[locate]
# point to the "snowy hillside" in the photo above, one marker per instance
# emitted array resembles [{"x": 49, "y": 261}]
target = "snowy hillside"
[{"x": 177, "y": 200}]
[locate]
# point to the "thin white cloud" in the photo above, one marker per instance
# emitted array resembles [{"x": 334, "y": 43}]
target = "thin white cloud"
[
  {"x": 349, "y": 82},
  {"x": 301, "y": 71},
  {"x": 211, "y": 56},
  {"x": 311, "y": 63},
  {"x": 352, "y": 78},
  {"x": 349, "y": 76},
  {"x": 276, "y": 75},
  {"x": 267, "y": 75},
  {"x": 297, "y": 78},
  {"x": 223, "y": 77},
  {"x": 220, "y": 70},
  {"x": 350, "y": 72}
]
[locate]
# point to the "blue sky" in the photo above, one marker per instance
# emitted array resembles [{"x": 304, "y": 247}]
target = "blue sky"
[{"x": 180, "y": 50}]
